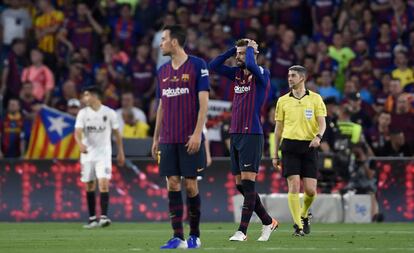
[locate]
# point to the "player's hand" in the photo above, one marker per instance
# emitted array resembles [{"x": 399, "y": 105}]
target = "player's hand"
[
  {"x": 276, "y": 163},
  {"x": 154, "y": 149},
  {"x": 121, "y": 158},
  {"x": 193, "y": 145},
  {"x": 83, "y": 149},
  {"x": 252, "y": 43},
  {"x": 316, "y": 142}
]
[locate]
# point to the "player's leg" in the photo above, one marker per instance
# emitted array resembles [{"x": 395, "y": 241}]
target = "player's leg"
[
  {"x": 191, "y": 166},
  {"x": 169, "y": 169},
  {"x": 291, "y": 163},
  {"x": 104, "y": 221},
  {"x": 194, "y": 212},
  {"x": 88, "y": 177},
  {"x": 309, "y": 175},
  {"x": 309, "y": 185},
  {"x": 104, "y": 174}
]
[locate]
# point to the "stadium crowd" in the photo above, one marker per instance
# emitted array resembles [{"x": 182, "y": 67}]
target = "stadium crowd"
[{"x": 359, "y": 56}]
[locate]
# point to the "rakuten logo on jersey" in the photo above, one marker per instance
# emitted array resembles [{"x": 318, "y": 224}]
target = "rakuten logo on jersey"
[
  {"x": 175, "y": 92},
  {"x": 241, "y": 89}
]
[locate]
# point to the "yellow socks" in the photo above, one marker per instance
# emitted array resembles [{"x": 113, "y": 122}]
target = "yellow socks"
[
  {"x": 307, "y": 202},
  {"x": 294, "y": 206}
]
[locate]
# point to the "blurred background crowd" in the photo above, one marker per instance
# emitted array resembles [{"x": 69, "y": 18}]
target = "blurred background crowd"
[{"x": 359, "y": 55}]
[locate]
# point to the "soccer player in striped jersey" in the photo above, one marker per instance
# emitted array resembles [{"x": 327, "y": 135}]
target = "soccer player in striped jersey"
[
  {"x": 252, "y": 83},
  {"x": 183, "y": 91}
]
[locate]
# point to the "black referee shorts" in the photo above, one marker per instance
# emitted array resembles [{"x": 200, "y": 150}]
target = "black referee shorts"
[{"x": 299, "y": 159}]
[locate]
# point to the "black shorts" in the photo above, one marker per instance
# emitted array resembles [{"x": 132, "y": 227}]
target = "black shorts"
[
  {"x": 299, "y": 159},
  {"x": 245, "y": 152},
  {"x": 175, "y": 161}
]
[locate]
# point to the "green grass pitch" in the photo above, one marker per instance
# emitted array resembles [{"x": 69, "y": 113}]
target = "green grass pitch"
[{"x": 147, "y": 237}]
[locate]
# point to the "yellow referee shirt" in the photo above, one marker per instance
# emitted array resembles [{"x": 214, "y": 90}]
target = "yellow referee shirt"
[{"x": 299, "y": 115}]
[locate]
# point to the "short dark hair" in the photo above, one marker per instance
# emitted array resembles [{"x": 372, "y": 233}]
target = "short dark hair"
[
  {"x": 298, "y": 68},
  {"x": 177, "y": 32},
  {"x": 242, "y": 43},
  {"x": 94, "y": 90}
]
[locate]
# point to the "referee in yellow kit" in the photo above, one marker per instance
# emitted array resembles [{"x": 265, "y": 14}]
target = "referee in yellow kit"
[{"x": 300, "y": 123}]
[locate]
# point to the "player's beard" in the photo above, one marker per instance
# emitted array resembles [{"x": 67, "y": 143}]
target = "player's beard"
[{"x": 241, "y": 64}]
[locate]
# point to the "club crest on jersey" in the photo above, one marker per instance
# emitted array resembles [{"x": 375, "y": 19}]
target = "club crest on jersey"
[
  {"x": 185, "y": 77},
  {"x": 104, "y": 118}
]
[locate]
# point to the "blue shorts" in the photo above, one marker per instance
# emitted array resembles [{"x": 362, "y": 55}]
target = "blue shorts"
[
  {"x": 175, "y": 160},
  {"x": 245, "y": 152}
]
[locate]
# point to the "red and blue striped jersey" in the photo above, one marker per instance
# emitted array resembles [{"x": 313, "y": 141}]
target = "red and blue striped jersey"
[
  {"x": 178, "y": 90},
  {"x": 250, "y": 91}
]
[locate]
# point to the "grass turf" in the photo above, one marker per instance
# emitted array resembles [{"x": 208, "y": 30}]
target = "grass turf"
[{"x": 143, "y": 237}]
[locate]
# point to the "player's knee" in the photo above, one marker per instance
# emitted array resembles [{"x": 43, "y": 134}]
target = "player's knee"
[
  {"x": 310, "y": 192},
  {"x": 174, "y": 184},
  {"x": 191, "y": 188},
  {"x": 90, "y": 186}
]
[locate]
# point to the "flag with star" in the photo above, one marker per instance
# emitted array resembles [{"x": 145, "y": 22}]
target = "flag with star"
[{"x": 52, "y": 136}]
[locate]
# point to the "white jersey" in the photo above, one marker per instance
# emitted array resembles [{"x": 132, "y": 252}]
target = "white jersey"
[{"x": 97, "y": 128}]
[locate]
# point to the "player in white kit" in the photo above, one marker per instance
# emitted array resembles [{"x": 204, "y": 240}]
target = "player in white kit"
[{"x": 93, "y": 128}]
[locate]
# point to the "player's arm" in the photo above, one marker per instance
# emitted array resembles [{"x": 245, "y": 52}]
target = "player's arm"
[
  {"x": 78, "y": 139},
  {"x": 79, "y": 125},
  {"x": 217, "y": 64},
  {"x": 320, "y": 118},
  {"x": 157, "y": 130},
  {"x": 252, "y": 66},
  {"x": 278, "y": 137},
  {"x": 194, "y": 143},
  {"x": 119, "y": 147}
]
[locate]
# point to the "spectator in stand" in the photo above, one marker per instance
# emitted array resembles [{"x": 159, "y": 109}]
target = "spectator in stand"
[
  {"x": 282, "y": 58},
  {"x": 68, "y": 92},
  {"x": 40, "y": 76},
  {"x": 15, "y": 23},
  {"x": 343, "y": 55},
  {"x": 324, "y": 61},
  {"x": 145, "y": 14},
  {"x": 382, "y": 50},
  {"x": 27, "y": 100},
  {"x": 46, "y": 26},
  {"x": 12, "y": 68},
  {"x": 322, "y": 8},
  {"x": 358, "y": 115},
  {"x": 325, "y": 32},
  {"x": 240, "y": 14},
  {"x": 379, "y": 134},
  {"x": 125, "y": 31},
  {"x": 395, "y": 90},
  {"x": 127, "y": 104},
  {"x": 397, "y": 145},
  {"x": 133, "y": 128},
  {"x": 403, "y": 118},
  {"x": 11, "y": 131},
  {"x": 326, "y": 87},
  {"x": 402, "y": 70},
  {"x": 381, "y": 10},
  {"x": 73, "y": 106},
  {"x": 141, "y": 73},
  {"x": 401, "y": 19},
  {"x": 83, "y": 28}
]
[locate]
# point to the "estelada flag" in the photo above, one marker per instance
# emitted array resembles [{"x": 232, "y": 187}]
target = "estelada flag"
[{"x": 52, "y": 136}]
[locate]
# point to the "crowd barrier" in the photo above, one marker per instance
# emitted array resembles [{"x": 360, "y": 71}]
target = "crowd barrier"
[{"x": 50, "y": 190}]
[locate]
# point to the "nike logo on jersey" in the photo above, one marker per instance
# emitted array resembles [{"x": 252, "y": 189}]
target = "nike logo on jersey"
[
  {"x": 165, "y": 79},
  {"x": 200, "y": 170},
  {"x": 247, "y": 165}
]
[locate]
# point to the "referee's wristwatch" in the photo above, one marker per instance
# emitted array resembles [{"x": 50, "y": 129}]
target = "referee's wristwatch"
[{"x": 319, "y": 136}]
